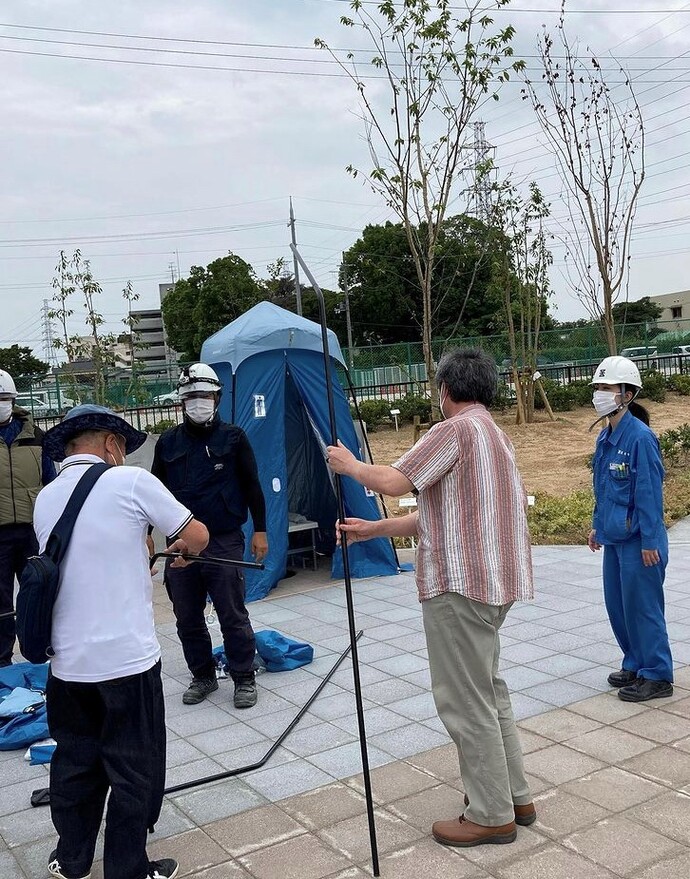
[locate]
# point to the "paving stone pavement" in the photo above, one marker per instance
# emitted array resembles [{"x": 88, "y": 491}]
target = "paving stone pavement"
[{"x": 611, "y": 780}]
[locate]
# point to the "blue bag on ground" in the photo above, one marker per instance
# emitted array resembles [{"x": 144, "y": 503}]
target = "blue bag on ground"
[
  {"x": 281, "y": 653},
  {"x": 31, "y": 725}
]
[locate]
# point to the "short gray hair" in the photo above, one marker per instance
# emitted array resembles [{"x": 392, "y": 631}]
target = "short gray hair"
[{"x": 470, "y": 376}]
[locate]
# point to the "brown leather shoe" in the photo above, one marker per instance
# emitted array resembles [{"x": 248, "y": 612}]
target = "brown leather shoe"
[
  {"x": 524, "y": 815},
  {"x": 464, "y": 833}
]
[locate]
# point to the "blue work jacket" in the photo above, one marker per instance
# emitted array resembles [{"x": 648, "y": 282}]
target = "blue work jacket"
[{"x": 628, "y": 485}]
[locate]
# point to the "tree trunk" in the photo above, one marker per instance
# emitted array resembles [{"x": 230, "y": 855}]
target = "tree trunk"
[{"x": 428, "y": 349}]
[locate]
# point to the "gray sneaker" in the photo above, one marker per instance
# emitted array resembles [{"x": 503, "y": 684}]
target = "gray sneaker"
[
  {"x": 245, "y": 694},
  {"x": 198, "y": 690}
]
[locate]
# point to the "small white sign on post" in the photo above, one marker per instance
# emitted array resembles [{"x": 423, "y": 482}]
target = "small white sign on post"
[{"x": 395, "y": 413}]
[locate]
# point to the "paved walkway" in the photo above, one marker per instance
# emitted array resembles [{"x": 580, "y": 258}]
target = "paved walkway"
[{"x": 611, "y": 780}]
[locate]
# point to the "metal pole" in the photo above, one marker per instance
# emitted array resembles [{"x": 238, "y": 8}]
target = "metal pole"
[
  {"x": 346, "y": 574},
  {"x": 295, "y": 264},
  {"x": 41, "y": 796},
  {"x": 346, "y": 291}
]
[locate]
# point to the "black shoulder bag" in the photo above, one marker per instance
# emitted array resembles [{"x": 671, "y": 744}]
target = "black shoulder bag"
[{"x": 39, "y": 583}]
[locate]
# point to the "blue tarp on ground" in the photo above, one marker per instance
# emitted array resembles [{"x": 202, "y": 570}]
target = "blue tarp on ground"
[
  {"x": 274, "y": 388},
  {"x": 24, "y": 729}
]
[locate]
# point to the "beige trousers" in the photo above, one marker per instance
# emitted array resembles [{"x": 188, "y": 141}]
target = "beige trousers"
[{"x": 474, "y": 704}]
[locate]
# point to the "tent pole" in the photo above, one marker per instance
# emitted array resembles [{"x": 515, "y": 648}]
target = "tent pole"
[
  {"x": 371, "y": 457},
  {"x": 346, "y": 573}
]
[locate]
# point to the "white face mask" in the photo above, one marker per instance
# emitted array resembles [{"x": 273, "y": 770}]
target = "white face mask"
[
  {"x": 200, "y": 411},
  {"x": 605, "y": 402},
  {"x": 5, "y": 410}
]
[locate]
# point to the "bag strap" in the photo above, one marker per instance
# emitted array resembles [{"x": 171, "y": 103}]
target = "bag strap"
[{"x": 56, "y": 547}]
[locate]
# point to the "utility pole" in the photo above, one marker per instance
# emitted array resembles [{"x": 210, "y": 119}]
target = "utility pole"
[
  {"x": 350, "y": 352},
  {"x": 298, "y": 291}
]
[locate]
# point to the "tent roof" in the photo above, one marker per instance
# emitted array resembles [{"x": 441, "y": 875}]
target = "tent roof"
[{"x": 266, "y": 327}]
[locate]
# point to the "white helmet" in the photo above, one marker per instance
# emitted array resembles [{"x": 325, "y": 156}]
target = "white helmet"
[
  {"x": 7, "y": 385},
  {"x": 617, "y": 371},
  {"x": 198, "y": 377}
]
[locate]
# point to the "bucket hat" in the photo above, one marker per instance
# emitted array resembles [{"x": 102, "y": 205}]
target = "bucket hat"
[{"x": 89, "y": 416}]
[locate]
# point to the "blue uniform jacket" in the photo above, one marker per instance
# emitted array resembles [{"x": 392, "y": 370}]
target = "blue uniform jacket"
[{"x": 628, "y": 480}]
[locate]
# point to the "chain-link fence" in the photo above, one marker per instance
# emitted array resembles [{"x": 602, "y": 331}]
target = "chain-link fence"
[
  {"x": 559, "y": 350},
  {"x": 385, "y": 372}
]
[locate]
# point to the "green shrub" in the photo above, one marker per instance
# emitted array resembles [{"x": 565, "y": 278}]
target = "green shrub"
[
  {"x": 161, "y": 426},
  {"x": 582, "y": 392},
  {"x": 560, "y": 397},
  {"x": 561, "y": 519},
  {"x": 675, "y": 445},
  {"x": 653, "y": 386},
  {"x": 411, "y": 405},
  {"x": 374, "y": 412},
  {"x": 680, "y": 384},
  {"x": 505, "y": 397}
]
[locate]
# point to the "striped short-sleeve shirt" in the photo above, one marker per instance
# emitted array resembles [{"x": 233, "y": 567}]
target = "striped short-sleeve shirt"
[{"x": 473, "y": 535}]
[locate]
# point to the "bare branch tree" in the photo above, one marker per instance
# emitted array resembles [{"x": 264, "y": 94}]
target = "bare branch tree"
[
  {"x": 437, "y": 69},
  {"x": 599, "y": 142}
]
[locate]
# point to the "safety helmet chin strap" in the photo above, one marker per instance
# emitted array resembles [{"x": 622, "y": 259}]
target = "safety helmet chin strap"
[{"x": 623, "y": 405}]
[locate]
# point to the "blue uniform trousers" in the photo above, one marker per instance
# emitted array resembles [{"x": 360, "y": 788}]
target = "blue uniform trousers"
[{"x": 634, "y": 597}]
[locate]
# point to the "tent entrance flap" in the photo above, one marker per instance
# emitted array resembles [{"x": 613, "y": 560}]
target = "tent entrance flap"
[{"x": 309, "y": 489}]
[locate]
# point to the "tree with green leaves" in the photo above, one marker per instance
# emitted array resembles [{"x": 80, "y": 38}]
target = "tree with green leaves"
[
  {"x": 20, "y": 362},
  {"x": 73, "y": 275},
  {"x": 526, "y": 287},
  {"x": 207, "y": 300},
  {"x": 642, "y": 311},
  {"x": 385, "y": 295},
  {"x": 437, "y": 67}
]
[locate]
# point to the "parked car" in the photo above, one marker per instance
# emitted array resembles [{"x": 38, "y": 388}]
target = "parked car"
[
  {"x": 58, "y": 405},
  {"x": 169, "y": 399},
  {"x": 34, "y": 405},
  {"x": 681, "y": 350},
  {"x": 643, "y": 355}
]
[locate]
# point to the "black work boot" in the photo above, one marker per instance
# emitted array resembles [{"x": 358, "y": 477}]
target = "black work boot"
[
  {"x": 198, "y": 690},
  {"x": 622, "y": 678},
  {"x": 643, "y": 689},
  {"x": 246, "y": 693}
]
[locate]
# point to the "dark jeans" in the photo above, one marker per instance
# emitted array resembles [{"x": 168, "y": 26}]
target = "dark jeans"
[
  {"x": 17, "y": 543},
  {"x": 110, "y": 736},
  {"x": 188, "y": 588}
]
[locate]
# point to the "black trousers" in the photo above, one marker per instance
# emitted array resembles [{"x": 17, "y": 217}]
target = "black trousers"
[
  {"x": 110, "y": 737},
  {"x": 17, "y": 543},
  {"x": 188, "y": 588}
]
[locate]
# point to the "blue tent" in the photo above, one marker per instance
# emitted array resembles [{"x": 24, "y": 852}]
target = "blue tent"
[{"x": 271, "y": 364}]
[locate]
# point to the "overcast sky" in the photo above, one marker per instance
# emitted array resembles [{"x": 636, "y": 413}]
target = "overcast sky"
[{"x": 148, "y": 165}]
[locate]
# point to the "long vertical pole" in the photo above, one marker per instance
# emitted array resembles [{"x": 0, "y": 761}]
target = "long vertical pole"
[
  {"x": 295, "y": 263},
  {"x": 346, "y": 291},
  {"x": 346, "y": 574}
]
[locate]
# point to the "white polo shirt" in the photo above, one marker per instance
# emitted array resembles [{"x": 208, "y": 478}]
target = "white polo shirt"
[{"x": 103, "y": 624}]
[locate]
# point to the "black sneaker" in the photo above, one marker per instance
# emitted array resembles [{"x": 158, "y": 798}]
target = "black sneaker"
[
  {"x": 643, "y": 689},
  {"x": 622, "y": 678},
  {"x": 56, "y": 870},
  {"x": 246, "y": 694},
  {"x": 164, "y": 869},
  {"x": 198, "y": 690}
]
